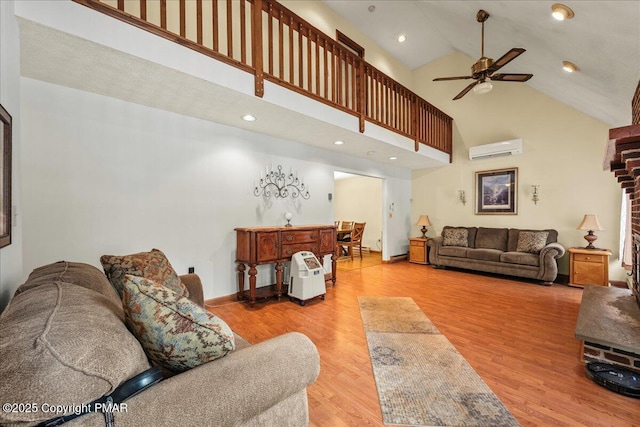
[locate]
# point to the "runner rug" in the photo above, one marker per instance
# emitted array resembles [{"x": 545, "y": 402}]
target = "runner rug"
[{"x": 421, "y": 378}]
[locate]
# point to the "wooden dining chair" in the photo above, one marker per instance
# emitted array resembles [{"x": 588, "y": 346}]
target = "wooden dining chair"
[
  {"x": 344, "y": 236},
  {"x": 355, "y": 239}
]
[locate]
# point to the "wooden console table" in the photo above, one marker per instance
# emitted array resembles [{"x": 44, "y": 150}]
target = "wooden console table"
[{"x": 275, "y": 245}]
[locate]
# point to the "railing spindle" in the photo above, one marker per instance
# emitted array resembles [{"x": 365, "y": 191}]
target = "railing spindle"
[
  {"x": 270, "y": 37},
  {"x": 183, "y": 19},
  {"x": 280, "y": 45},
  {"x": 291, "y": 50},
  {"x": 309, "y": 64},
  {"x": 216, "y": 25},
  {"x": 199, "y": 20},
  {"x": 229, "y": 29},
  {"x": 243, "y": 35},
  {"x": 143, "y": 10},
  {"x": 163, "y": 14},
  {"x": 121, "y": 5}
]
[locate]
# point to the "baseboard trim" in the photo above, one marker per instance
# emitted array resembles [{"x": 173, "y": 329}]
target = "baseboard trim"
[
  {"x": 395, "y": 258},
  {"x": 619, "y": 284},
  {"x": 224, "y": 300}
]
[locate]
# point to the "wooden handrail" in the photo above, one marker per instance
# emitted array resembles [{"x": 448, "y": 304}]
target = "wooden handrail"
[{"x": 270, "y": 41}]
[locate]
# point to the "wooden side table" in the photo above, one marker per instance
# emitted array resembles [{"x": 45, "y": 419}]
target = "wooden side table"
[
  {"x": 418, "y": 250},
  {"x": 588, "y": 267}
]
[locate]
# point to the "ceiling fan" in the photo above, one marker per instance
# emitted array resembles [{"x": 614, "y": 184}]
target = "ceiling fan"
[{"x": 484, "y": 68}]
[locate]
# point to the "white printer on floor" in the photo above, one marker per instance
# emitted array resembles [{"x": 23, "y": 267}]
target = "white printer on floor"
[{"x": 306, "y": 277}]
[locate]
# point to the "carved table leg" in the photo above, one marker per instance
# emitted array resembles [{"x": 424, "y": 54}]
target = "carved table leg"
[
  {"x": 279, "y": 276},
  {"x": 252, "y": 284},
  {"x": 240, "y": 270},
  {"x": 334, "y": 266}
]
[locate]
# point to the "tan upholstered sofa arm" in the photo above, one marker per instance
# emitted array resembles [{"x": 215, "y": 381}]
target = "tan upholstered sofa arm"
[
  {"x": 194, "y": 286},
  {"x": 230, "y": 390}
]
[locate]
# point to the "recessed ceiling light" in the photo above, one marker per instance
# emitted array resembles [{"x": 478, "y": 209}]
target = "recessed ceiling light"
[
  {"x": 338, "y": 142},
  {"x": 393, "y": 158},
  {"x": 402, "y": 38},
  {"x": 371, "y": 8},
  {"x": 569, "y": 67},
  {"x": 248, "y": 118},
  {"x": 561, "y": 12}
]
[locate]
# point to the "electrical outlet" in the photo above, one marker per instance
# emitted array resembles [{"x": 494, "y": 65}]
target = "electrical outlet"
[{"x": 192, "y": 270}]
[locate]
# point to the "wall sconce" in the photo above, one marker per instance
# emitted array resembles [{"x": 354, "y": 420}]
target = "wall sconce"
[
  {"x": 534, "y": 193},
  {"x": 462, "y": 196}
]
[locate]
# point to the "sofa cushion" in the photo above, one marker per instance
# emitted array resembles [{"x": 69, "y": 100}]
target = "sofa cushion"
[
  {"x": 531, "y": 241},
  {"x": 78, "y": 273},
  {"x": 175, "y": 332},
  {"x": 492, "y": 238},
  {"x": 552, "y": 237},
  {"x": 454, "y": 251},
  {"x": 472, "y": 234},
  {"x": 152, "y": 265},
  {"x": 484, "y": 254},
  {"x": 455, "y": 237},
  {"x": 522, "y": 258},
  {"x": 62, "y": 344}
]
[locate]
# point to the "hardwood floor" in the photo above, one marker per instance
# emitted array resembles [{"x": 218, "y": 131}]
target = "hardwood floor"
[{"x": 518, "y": 336}]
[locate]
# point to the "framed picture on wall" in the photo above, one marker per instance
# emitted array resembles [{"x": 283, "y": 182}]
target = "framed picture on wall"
[
  {"x": 5, "y": 177},
  {"x": 497, "y": 192}
]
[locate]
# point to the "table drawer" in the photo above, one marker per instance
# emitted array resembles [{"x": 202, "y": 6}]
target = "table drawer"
[
  {"x": 588, "y": 258},
  {"x": 289, "y": 237},
  {"x": 419, "y": 243},
  {"x": 289, "y": 250}
]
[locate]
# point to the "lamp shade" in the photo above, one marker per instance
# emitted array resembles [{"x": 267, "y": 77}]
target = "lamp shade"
[
  {"x": 424, "y": 221},
  {"x": 590, "y": 222}
]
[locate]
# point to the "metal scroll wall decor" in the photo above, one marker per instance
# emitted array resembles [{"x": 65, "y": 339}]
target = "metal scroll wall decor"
[{"x": 280, "y": 184}]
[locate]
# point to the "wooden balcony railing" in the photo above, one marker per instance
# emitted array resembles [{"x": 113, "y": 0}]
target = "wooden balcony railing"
[{"x": 268, "y": 40}]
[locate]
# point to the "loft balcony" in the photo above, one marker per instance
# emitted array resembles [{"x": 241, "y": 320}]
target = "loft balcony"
[{"x": 307, "y": 86}]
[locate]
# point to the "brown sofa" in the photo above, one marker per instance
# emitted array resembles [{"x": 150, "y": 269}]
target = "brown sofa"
[
  {"x": 63, "y": 342},
  {"x": 493, "y": 250}
]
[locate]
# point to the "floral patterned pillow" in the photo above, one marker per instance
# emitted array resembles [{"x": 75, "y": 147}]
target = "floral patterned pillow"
[
  {"x": 175, "y": 332},
  {"x": 531, "y": 241},
  {"x": 152, "y": 265},
  {"x": 455, "y": 237}
]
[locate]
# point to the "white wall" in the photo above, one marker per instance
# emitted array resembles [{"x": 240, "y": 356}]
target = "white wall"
[
  {"x": 359, "y": 199},
  {"x": 563, "y": 152},
  {"x": 104, "y": 176},
  {"x": 11, "y": 256}
]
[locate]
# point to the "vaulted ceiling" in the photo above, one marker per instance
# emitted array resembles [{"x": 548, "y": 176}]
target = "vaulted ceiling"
[{"x": 603, "y": 40}]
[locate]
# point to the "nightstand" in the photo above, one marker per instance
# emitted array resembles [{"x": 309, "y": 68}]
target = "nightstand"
[
  {"x": 418, "y": 250},
  {"x": 588, "y": 267}
]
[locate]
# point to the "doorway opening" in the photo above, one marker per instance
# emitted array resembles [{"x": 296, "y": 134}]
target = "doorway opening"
[{"x": 358, "y": 199}]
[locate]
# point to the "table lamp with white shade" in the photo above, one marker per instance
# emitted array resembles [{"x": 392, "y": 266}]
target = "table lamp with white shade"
[
  {"x": 590, "y": 223},
  {"x": 424, "y": 222}
]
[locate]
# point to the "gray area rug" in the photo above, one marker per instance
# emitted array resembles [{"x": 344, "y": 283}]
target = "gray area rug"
[{"x": 421, "y": 378}]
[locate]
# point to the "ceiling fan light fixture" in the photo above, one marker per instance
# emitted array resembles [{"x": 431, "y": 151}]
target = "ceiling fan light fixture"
[
  {"x": 569, "y": 67},
  {"x": 561, "y": 12},
  {"x": 482, "y": 88}
]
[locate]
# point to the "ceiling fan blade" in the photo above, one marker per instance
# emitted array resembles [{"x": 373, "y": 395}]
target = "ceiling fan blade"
[
  {"x": 511, "y": 77},
  {"x": 441, "y": 79},
  {"x": 465, "y": 90},
  {"x": 505, "y": 59}
]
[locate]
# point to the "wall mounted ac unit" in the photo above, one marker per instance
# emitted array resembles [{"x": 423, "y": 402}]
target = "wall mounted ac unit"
[{"x": 497, "y": 149}]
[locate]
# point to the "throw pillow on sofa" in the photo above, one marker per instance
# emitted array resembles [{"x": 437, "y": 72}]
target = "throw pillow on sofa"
[
  {"x": 531, "y": 241},
  {"x": 175, "y": 333},
  {"x": 455, "y": 237},
  {"x": 152, "y": 265}
]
